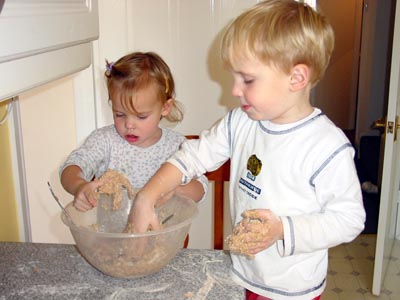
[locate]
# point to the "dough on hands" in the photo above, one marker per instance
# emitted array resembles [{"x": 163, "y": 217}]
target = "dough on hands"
[
  {"x": 242, "y": 232},
  {"x": 113, "y": 182}
]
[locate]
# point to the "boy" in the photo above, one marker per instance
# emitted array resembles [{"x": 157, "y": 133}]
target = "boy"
[{"x": 291, "y": 167}]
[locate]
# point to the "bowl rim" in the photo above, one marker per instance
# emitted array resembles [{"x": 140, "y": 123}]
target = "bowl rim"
[{"x": 75, "y": 227}]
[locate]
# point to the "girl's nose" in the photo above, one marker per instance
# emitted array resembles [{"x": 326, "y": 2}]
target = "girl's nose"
[{"x": 129, "y": 123}]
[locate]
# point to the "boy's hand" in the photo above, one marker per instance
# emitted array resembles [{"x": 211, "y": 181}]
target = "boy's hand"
[
  {"x": 142, "y": 216},
  {"x": 259, "y": 238},
  {"x": 259, "y": 229},
  {"x": 85, "y": 196},
  {"x": 162, "y": 200}
]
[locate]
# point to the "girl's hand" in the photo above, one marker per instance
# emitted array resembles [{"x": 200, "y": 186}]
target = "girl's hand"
[{"x": 85, "y": 196}]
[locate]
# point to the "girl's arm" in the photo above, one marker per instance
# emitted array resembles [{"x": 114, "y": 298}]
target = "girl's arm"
[
  {"x": 73, "y": 181},
  {"x": 72, "y": 178}
]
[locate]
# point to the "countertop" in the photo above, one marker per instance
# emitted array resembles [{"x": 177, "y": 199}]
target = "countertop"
[{"x": 58, "y": 271}]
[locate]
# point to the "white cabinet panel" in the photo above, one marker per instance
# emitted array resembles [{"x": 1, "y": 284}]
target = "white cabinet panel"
[{"x": 56, "y": 32}]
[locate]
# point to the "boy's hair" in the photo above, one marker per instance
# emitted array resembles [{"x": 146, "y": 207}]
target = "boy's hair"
[
  {"x": 280, "y": 33},
  {"x": 139, "y": 70}
]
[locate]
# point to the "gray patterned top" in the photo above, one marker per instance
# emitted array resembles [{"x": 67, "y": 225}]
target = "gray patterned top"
[{"x": 105, "y": 149}]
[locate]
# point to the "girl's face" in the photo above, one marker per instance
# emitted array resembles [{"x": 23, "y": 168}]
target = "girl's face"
[
  {"x": 141, "y": 128},
  {"x": 265, "y": 93}
]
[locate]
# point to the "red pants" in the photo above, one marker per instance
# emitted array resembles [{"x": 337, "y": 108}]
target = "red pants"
[{"x": 253, "y": 296}]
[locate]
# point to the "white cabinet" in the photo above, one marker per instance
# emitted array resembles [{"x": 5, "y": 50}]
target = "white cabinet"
[{"x": 41, "y": 41}]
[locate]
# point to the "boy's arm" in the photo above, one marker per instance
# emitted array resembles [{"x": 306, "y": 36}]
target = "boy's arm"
[
  {"x": 163, "y": 182},
  {"x": 196, "y": 190},
  {"x": 193, "y": 190}
]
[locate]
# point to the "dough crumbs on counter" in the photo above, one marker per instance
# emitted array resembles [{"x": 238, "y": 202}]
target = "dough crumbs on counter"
[
  {"x": 113, "y": 182},
  {"x": 189, "y": 295}
]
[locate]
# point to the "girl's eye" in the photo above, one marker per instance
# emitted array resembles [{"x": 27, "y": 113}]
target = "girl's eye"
[
  {"x": 142, "y": 117},
  {"x": 119, "y": 115}
]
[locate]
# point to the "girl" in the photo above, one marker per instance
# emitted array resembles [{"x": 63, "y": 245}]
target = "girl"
[{"x": 141, "y": 92}]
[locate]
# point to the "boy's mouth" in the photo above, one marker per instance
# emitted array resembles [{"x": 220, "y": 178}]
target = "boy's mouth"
[
  {"x": 130, "y": 138},
  {"x": 245, "y": 107}
]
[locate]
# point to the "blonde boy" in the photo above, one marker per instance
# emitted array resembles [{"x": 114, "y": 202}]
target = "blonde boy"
[{"x": 291, "y": 167}]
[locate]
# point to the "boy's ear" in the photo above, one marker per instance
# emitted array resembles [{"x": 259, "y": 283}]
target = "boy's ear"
[
  {"x": 299, "y": 77},
  {"x": 167, "y": 107}
]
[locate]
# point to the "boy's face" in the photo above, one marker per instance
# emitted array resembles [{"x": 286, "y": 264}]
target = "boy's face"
[
  {"x": 266, "y": 93},
  {"x": 141, "y": 128}
]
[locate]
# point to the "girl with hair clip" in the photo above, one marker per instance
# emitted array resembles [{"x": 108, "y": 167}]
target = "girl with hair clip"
[{"x": 141, "y": 92}]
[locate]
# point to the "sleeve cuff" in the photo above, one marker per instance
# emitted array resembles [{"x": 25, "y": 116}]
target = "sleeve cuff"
[
  {"x": 185, "y": 180},
  {"x": 286, "y": 246}
]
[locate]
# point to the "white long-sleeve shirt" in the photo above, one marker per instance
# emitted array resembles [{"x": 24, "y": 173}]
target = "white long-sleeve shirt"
[{"x": 305, "y": 173}]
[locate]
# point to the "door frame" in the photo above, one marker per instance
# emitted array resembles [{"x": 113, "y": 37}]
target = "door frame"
[{"x": 388, "y": 211}]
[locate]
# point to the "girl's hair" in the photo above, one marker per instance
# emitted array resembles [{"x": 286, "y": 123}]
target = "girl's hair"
[
  {"x": 136, "y": 71},
  {"x": 281, "y": 33}
]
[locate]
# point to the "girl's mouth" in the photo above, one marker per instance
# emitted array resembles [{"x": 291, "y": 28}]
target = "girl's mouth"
[{"x": 130, "y": 138}]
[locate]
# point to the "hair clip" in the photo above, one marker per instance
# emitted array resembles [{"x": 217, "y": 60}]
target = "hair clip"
[
  {"x": 166, "y": 85},
  {"x": 109, "y": 66}
]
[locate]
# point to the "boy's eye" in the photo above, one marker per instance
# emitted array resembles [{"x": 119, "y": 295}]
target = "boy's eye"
[
  {"x": 248, "y": 80},
  {"x": 119, "y": 115},
  {"x": 142, "y": 117}
]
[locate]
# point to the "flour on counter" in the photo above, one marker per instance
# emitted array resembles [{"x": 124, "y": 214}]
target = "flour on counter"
[{"x": 51, "y": 290}]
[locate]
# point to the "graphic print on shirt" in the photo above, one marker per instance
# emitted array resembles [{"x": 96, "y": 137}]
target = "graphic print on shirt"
[{"x": 254, "y": 166}]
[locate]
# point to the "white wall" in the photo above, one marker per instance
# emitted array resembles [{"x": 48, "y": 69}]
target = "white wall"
[
  {"x": 186, "y": 34},
  {"x": 336, "y": 93}
]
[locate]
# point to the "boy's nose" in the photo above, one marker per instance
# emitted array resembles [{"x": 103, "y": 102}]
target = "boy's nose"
[{"x": 236, "y": 92}]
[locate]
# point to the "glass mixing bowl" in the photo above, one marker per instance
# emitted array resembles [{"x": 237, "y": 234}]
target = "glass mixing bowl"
[{"x": 126, "y": 255}]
